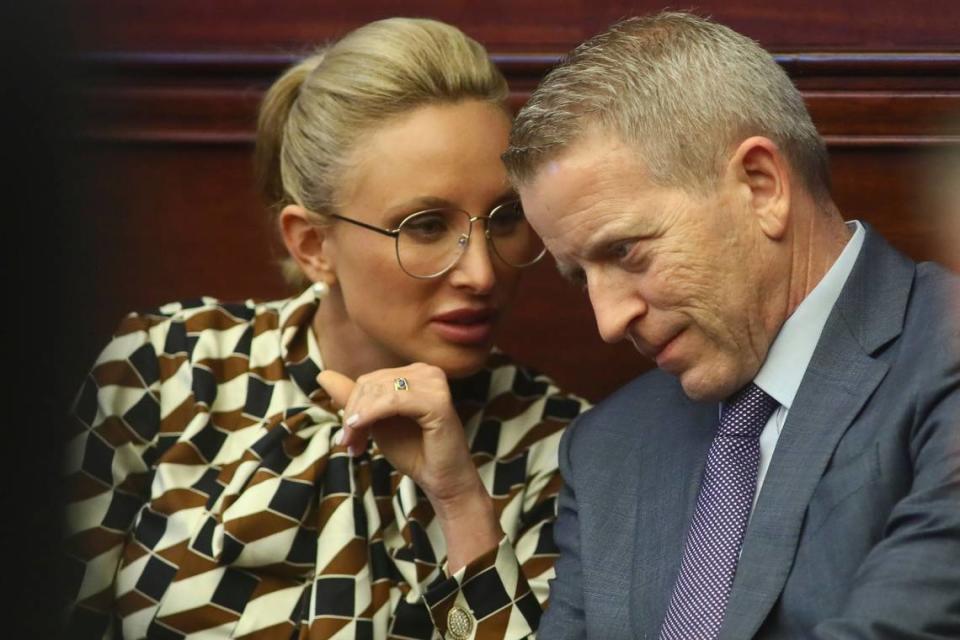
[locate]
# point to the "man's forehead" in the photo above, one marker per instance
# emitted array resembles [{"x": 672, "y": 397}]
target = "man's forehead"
[
  {"x": 595, "y": 192},
  {"x": 575, "y": 222},
  {"x": 552, "y": 167},
  {"x": 584, "y": 177},
  {"x": 587, "y": 148}
]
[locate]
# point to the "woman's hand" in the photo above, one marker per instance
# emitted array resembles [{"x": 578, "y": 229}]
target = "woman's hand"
[{"x": 417, "y": 429}]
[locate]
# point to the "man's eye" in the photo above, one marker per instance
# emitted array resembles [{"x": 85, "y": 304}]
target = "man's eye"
[
  {"x": 631, "y": 255},
  {"x": 622, "y": 250}
]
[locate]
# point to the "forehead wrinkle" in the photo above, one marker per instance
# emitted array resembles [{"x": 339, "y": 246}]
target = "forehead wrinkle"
[
  {"x": 570, "y": 255},
  {"x": 596, "y": 226}
]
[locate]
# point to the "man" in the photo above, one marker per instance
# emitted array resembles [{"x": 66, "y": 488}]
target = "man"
[{"x": 791, "y": 469}]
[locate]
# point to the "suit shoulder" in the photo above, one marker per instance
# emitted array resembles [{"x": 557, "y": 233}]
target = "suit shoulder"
[
  {"x": 652, "y": 389},
  {"x": 936, "y": 282},
  {"x": 934, "y": 307},
  {"x": 647, "y": 400}
]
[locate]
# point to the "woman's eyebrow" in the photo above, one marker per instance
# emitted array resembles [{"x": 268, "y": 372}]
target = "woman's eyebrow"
[{"x": 419, "y": 203}]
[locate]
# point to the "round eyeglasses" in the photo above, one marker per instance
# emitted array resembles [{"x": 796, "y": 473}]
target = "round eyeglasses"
[{"x": 429, "y": 243}]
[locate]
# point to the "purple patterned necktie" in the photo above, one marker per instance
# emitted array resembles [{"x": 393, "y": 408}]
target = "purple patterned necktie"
[{"x": 712, "y": 549}]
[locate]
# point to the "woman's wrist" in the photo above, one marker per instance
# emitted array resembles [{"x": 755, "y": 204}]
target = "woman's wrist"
[{"x": 470, "y": 527}]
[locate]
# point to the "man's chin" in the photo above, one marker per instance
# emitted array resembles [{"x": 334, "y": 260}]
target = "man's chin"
[{"x": 709, "y": 386}]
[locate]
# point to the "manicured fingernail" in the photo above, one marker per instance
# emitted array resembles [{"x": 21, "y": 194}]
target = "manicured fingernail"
[
  {"x": 353, "y": 419},
  {"x": 338, "y": 438}
]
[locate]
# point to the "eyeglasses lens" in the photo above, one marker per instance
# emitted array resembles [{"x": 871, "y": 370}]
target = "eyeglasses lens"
[
  {"x": 431, "y": 242},
  {"x": 512, "y": 237}
]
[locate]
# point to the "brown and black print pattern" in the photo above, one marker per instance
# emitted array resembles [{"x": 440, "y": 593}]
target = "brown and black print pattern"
[{"x": 207, "y": 499}]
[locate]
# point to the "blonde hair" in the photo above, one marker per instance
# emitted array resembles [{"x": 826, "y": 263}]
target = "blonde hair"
[
  {"x": 317, "y": 112},
  {"x": 680, "y": 90}
]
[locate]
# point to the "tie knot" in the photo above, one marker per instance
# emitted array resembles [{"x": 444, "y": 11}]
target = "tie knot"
[{"x": 746, "y": 412}]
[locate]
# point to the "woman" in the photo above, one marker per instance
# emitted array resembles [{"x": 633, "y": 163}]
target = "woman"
[{"x": 220, "y": 490}]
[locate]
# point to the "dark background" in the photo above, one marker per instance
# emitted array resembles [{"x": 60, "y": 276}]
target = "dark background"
[{"x": 49, "y": 281}]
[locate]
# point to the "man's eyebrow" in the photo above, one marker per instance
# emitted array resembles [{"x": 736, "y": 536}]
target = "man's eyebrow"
[
  {"x": 597, "y": 245},
  {"x": 592, "y": 249}
]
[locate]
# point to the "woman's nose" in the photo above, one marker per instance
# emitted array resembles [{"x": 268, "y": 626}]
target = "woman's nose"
[{"x": 474, "y": 269}]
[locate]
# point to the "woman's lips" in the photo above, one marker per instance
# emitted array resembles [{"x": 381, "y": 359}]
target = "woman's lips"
[{"x": 465, "y": 326}]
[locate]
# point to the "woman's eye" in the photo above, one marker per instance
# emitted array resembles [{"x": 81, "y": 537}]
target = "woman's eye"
[
  {"x": 504, "y": 224},
  {"x": 425, "y": 226},
  {"x": 506, "y": 220}
]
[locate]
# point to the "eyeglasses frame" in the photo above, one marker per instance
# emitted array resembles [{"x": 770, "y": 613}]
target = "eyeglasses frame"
[{"x": 395, "y": 234}]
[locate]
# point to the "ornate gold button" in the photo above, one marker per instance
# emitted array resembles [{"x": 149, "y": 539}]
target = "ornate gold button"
[{"x": 459, "y": 623}]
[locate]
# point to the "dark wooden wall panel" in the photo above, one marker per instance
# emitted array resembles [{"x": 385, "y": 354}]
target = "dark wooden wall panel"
[
  {"x": 171, "y": 89},
  {"x": 505, "y": 25}
]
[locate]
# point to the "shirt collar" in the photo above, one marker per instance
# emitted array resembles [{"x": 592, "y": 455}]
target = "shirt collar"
[
  {"x": 790, "y": 353},
  {"x": 299, "y": 348}
]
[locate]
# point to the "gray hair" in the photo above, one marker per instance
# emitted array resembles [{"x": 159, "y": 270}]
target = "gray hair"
[
  {"x": 317, "y": 113},
  {"x": 680, "y": 90}
]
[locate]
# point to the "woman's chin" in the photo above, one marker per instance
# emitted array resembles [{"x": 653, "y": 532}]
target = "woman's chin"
[{"x": 461, "y": 362}]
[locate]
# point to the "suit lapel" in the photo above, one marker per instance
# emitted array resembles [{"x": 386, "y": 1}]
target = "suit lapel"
[
  {"x": 826, "y": 404},
  {"x": 841, "y": 377},
  {"x": 672, "y": 461}
]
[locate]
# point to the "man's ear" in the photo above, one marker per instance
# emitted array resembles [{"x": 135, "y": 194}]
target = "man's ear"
[
  {"x": 309, "y": 244},
  {"x": 760, "y": 167}
]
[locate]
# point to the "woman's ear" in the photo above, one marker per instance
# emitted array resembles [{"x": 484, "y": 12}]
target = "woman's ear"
[
  {"x": 761, "y": 167},
  {"x": 308, "y": 243}
]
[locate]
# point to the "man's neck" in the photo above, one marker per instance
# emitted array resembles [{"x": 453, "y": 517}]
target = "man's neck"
[{"x": 818, "y": 237}]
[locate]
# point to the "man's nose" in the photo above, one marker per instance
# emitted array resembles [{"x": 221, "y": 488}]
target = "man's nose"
[{"x": 615, "y": 303}]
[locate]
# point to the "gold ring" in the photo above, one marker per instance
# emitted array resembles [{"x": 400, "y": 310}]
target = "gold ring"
[{"x": 401, "y": 384}]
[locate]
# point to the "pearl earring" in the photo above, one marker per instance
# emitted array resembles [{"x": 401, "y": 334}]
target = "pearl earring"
[{"x": 320, "y": 289}]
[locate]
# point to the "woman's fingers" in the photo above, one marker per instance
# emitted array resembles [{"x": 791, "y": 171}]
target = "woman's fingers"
[
  {"x": 338, "y": 386},
  {"x": 417, "y": 393},
  {"x": 410, "y": 413},
  {"x": 378, "y": 397}
]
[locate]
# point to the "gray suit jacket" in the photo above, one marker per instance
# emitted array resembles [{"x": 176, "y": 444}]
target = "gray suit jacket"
[{"x": 856, "y": 531}]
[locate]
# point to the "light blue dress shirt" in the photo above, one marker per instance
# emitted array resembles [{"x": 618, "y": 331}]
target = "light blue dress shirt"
[{"x": 790, "y": 353}]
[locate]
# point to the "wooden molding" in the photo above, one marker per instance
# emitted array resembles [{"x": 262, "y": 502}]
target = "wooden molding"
[{"x": 856, "y": 99}]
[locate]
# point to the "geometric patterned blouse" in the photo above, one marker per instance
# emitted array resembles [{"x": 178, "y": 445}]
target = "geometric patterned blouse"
[{"x": 207, "y": 499}]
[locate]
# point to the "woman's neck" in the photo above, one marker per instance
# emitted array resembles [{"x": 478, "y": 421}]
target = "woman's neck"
[{"x": 344, "y": 346}]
